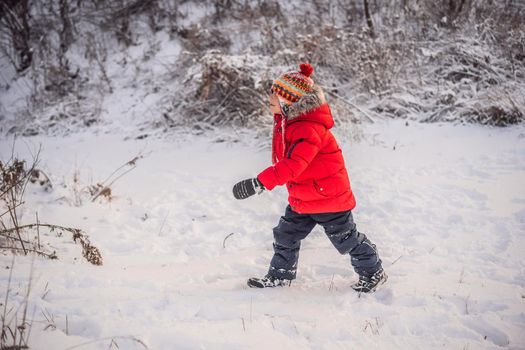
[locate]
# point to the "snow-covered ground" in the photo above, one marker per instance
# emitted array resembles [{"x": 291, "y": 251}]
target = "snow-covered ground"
[{"x": 445, "y": 204}]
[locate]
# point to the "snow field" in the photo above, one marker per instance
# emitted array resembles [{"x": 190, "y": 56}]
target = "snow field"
[{"x": 443, "y": 203}]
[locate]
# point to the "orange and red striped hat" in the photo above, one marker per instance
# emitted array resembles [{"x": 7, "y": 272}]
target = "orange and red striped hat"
[{"x": 291, "y": 86}]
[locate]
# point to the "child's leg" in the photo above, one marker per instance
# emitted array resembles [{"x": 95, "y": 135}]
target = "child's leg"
[
  {"x": 341, "y": 230},
  {"x": 292, "y": 228}
]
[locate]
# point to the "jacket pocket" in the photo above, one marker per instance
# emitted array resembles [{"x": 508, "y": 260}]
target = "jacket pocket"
[{"x": 332, "y": 186}]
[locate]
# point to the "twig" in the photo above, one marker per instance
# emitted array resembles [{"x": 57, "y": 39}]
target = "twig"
[
  {"x": 13, "y": 149},
  {"x": 22, "y": 327},
  {"x": 38, "y": 229},
  {"x": 351, "y": 105},
  {"x": 51, "y": 256},
  {"x": 124, "y": 173},
  {"x": 7, "y": 296},
  {"x": 163, "y": 222},
  {"x": 129, "y": 337},
  {"x": 46, "y": 291},
  {"x": 13, "y": 332},
  {"x": 132, "y": 163},
  {"x": 14, "y": 218},
  {"x": 11, "y": 237},
  {"x": 251, "y": 309},
  {"x": 15, "y": 206},
  {"x": 396, "y": 260},
  {"x": 105, "y": 188},
  {"x": 129, "y": 163},
  {"x": 225, "y": 238},
  {"x": 69, "y": 229}
]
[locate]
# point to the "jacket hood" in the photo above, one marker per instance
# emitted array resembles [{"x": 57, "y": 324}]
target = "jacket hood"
[{"x": 311, "y": 107}]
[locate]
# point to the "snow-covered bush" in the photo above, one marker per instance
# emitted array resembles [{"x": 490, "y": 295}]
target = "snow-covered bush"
[
  {"x": 424, "y": 60},
  {"x": 222, "y": 90},
  {"x": 25, "y": 238},
  {"x": 460, "y": 78}
]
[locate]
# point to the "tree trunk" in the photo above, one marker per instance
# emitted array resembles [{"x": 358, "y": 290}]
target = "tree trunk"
[{"x": 369, "y": 19}]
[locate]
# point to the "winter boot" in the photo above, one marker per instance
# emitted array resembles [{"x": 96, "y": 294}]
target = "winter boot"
[
  {"x": 267, "y": 282},
  {"x": 370, "y": 284}
]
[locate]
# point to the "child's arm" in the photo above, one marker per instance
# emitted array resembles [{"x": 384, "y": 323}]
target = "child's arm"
[{"x": 304, "y": 147}]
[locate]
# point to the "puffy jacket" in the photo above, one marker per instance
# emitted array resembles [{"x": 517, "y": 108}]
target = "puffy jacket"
[{"x": 308, "y": 160}]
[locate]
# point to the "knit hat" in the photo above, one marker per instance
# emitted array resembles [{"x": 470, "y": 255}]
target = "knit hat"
[{"x": 291, "y": 86}]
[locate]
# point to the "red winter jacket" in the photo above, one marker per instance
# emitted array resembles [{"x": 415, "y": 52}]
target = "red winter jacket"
[{"x": 308, "y": 160}]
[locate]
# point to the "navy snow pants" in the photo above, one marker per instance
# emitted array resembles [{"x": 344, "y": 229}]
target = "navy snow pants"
[{"x": 340, "y": 229}]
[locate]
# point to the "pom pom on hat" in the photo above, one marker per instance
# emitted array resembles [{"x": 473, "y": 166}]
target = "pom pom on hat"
[
  {"x": 291, "y": 86},
  {"x": 306, "y": 69}
]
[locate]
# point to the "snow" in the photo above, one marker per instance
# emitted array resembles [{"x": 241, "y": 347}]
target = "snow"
[{"x": 444, "y": 203}]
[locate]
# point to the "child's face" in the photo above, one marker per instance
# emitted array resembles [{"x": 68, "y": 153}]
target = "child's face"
[{"x": 274, "y": 104}]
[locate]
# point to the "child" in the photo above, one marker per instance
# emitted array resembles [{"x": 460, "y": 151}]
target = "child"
[{"x": 307, "y": 159}]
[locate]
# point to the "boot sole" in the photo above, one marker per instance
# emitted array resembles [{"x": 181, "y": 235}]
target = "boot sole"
[{"x": 255, "y": 284}]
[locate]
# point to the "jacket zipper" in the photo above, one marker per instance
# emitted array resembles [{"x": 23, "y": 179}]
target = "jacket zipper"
[{"x": 293, "y": 146}]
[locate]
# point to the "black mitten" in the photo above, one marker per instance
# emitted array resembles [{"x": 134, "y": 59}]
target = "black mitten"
[{"x": 247, "y": 188}]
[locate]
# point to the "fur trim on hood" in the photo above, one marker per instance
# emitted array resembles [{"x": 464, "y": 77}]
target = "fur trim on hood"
[{"x": 306, "y": 104}]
